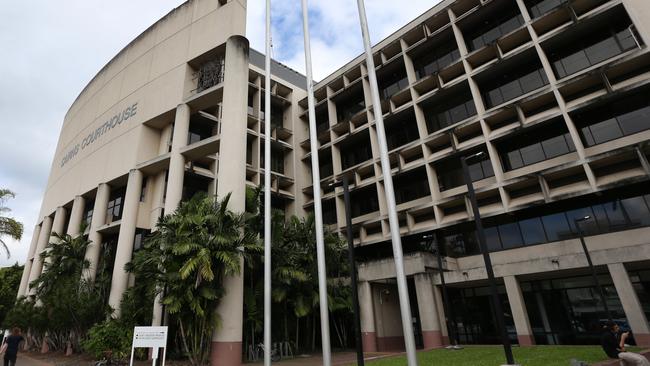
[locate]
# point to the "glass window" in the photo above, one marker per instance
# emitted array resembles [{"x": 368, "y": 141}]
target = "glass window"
[
  {"x": 532, "y": 154},
  {"x": 510, "y": 235},
  {"x": 492, "y": 238},
  {"x": 600, "y": 216},
  {"x": 602, "y": 50},
  {"x": 637, "y": 211},
  {"x": 544, "y": 6},
  {"x": 556, "y": 226},
  {"x": 635, "y": 121},
  {"x": 588, "y": 227},
  {"x": 602, "y": 132},
  {"x": 556, "y": 146},
  {"x": 532, "y": 231},
  {"x": 615, "y": 215},
  {"x": 513, "y": 160}
]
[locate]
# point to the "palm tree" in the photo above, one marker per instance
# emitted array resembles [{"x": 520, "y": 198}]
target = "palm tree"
[
  {"x": 8, "y": 225},
  {"x": 189, "y": 255},
  {"x": 63, "y": 259}
]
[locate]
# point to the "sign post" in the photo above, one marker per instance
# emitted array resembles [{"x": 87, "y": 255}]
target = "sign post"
[{"x": 150, "y": 337}]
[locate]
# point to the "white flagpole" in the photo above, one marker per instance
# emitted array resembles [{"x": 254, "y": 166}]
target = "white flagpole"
[
  {"x": 267, "y": 190},
  {"x": 318, "y": 215},
  {"x": 402, "y": 287}
]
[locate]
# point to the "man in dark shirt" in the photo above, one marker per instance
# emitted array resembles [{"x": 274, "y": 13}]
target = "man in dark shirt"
[
  {"x": 12, "y": 342},
  {"x": 613, "y": 343}
]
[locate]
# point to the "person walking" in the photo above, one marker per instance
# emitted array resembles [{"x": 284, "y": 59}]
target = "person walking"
[
  {"x": 613, "y": 343},
  {"x": 10, "y": 348}
]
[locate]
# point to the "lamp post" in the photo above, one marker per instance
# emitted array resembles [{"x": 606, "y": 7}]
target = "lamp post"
[
  {"x": 601, "y": 292},
  {"x": 451, "y": 329},
  {"x": 353, "y": 267},
  {"x": 496, "y": 302}
]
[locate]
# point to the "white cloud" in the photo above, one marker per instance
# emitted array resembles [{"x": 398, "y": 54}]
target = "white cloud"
[{"x": 334, "y": 28}]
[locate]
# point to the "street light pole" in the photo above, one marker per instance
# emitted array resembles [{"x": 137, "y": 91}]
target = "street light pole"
[
  {"x": 601, "y": 292},
  {"x": 496, "y": 302},
  {"x": 353, "y": 268},
  {"x": 451, "y": 328}
]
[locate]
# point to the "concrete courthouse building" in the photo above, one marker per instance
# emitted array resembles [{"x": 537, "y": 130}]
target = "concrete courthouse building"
[{"x": 556, "y": 93}]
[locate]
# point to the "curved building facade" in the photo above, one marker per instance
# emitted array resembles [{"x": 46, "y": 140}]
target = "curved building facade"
[
  {"x": 146, "y": 132},
  {"x": 555, "y": 93}
]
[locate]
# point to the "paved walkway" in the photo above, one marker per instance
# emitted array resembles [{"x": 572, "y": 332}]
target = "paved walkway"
[
  {"x": 24, "y": 360},
  {"x": 338, "y": 359}
]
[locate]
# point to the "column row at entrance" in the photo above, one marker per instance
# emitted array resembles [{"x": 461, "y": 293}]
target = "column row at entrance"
[{"x": 379, "y": 307}]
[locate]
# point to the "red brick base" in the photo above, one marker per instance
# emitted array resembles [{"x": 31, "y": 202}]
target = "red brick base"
[
  {"x": 385, "y": 344},
  {"x": 226, "y": 354},
  {"x": 526, "y": 340},
  {"x": 369, "y": 340},
  {"x": 642, "y": 340},
  {"x": 432, "y": 339}
]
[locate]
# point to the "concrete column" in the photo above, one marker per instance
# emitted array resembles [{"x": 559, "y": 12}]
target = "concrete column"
[
  {"x": 125, "y": 239},
  {"x": 368, "y": 332},
  {"x": 98, "y": 220},
  {"x": 157, "y": 206},
  {"x": 631, "y": 304},
  {"x": 437, "y": 296},
  {"x": 57, "y": 227},
  {"x": 24, "y": 280},
  {"x": 177, "y": 160},
  {"x": 519, "y": 312},
  {"x": 227, "y": 339},
  {"x": 431, "y": 333},
  {"x": 43, "y": 239},
  {"x": 76, "y": 215},
  {"x": 59, "y": 220},
  {"x": 175, "y": 177}
]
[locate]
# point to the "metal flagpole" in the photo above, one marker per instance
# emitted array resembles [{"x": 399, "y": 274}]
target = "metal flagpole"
[
  {"x": 402, "y": 287},
  {"x": 267, "y": 190},
  {"x": 318, "y": 215}
]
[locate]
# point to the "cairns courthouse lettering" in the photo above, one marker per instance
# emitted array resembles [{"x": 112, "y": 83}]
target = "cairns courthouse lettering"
[{"x": 93, "y": 136}]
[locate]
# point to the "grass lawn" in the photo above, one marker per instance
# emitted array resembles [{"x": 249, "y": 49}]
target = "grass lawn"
[{"x": 493, "y": 356}]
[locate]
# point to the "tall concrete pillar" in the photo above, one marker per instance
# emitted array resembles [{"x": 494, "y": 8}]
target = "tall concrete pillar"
[
  {"x": 176, "y": 159},
  {"x": 43, "y": 239},
  {"x": 631, "y": 304},
  {"x": 124, "y": 251},
  {"x": 58, "y": 224},
  {"x": 175, "y": 177},
  {"x": 227, "y": 339},
  {"x": 368, "y": 331},
  {"x": 24, "y": 280},
  {"x": 76, "y": 216},
  {"x": 442, "y": 318},
  {"x": 519, "y": 312},
  {"x": 157, "y": 206},
  {"x": 431, "y": 333},
  {"x": 98, "y": 220}
]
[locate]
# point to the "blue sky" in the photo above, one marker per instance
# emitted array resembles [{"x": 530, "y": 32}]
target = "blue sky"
[{"x": 51, "y": 49}]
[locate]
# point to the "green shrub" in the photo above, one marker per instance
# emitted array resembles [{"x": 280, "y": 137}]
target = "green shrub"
[{"x": 110, "y": 336}]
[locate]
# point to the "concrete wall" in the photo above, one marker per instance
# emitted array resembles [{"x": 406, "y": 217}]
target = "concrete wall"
[{"x": 147, "y": 73}]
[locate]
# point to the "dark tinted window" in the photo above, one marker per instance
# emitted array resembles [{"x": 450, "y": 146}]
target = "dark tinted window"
[
  {"x": 450, "y": 110},
  {"x": 532, "y": 231},
  {"x": 614, "y": 118},
  {"x": 588, "y": 46},
  {"x": 557, "y": 227},
  {"x": 510, "y": 235},
  {"x": 503, "y": 19},
  {"x": 539, "y": 144},
  {"x": 435, "y": 58}
]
